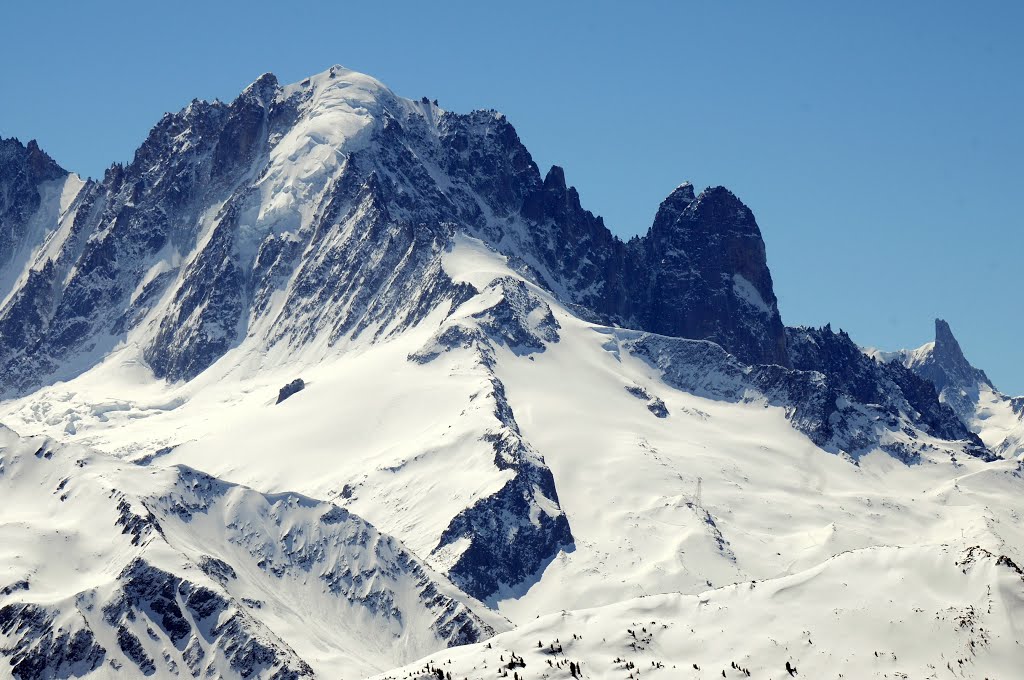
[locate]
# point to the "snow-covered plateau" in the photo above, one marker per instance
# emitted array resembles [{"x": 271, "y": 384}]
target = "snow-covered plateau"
[{"x": 331, "y": 383}]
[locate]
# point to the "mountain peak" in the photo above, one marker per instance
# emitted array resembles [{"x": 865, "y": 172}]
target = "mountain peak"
[
  {"x": 263, "y": 88},
  {"x": 943, "y": 363},
  {"x": 712, "y": 280},
  {"x": 948, "y": 355},
  {"x": 946, "y": 343},
  {"x": 555, "y": 179},
  {"x": 724, "y": 206},
  {"x": 38, "y": 164},
  {"x": 677, "y": 201},
  {"x": 683, "y": 192},
  {"x": 336, "y": 77}
]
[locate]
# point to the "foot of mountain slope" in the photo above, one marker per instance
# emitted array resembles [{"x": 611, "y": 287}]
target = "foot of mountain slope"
[
  {"x": 180, "y": 574},
  {"x": 871, "y": 613}
]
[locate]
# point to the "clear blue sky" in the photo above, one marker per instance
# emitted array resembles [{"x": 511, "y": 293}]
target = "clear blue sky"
[{"x": 880, "y": 144}]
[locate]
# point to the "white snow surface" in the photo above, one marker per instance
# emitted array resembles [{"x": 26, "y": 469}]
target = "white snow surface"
[
  {"x": 879, "y": 612},
  {"x": 60, "y": 535},
  {"x": 672, "y": 518},
  {"x": 399, "y": 444},
  {"x": 997, "y": 423}
]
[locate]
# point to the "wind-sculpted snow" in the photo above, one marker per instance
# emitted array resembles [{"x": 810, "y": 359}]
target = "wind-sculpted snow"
[{"x": 185, "y": 576}]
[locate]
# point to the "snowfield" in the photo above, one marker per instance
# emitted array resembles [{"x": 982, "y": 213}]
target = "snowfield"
[
  {"x": 399, "y": 444},
  {"x": 114, "y": 551},
  {"x": 490, "y": 469},
  {"x": 871, "y": 613}
]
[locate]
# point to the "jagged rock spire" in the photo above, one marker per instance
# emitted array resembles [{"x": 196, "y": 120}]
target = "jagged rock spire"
[
  {"x": 950, "y": 357},
  {"x": 949, "y": 366},
  {"x": 709, "y": 276},
  {"x": 945, "y": 366}
]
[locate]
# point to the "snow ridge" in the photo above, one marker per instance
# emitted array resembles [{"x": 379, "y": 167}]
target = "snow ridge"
[{"x": 496, "y": 411}]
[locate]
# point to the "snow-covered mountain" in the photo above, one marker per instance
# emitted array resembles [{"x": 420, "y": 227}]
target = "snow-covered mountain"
[
  {"x": 318, "y": 211},
  {"x": 496, "y": 410},
  {"x": 996, "y": 418},
  {"x": 114, "y": 566}
]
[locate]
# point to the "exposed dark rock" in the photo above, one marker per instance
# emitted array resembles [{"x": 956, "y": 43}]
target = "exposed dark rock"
[
  {"x": 866, "y": 381},
  {"x": 41, "y": 649},
  {"x": 23, "y": 171},
  {"x": 182, "y": 610},
  {"x": 311, "y": 550},
  {"x": 511, "y": 535},
  {"x": 133, "y": 649},
  {"x": 953, "y": 376},
  {"x": 520, "y": 320},
  {"x": 654, "y": 404},
  {"x": 219, "y": 570},
  {"x": 371, "y": 260},
  {"x": 841, "y": 399},
  {"x": 658, "y": 408},
  {"x": 15, "y": 587},
  {"x": 709, "y": 277},
  {"x": 140, "y": 526},
  {"x": 294, "y": 387}
]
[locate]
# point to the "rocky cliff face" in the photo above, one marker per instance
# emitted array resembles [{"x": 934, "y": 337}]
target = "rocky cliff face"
[
  {"x": 966, "y": 390},
  {"x": 890, "y": 387},
  {"x": 34, "y": 194},
  {"x": 700, "y": 272},
  {"x": 295, "y": 191},
  {"x": 946, "y": 367},
  {"x": 24, "y": 170},
  {"x": 709, "y": 277},
  {"x": 325, "y": 221},
  {"x": 179, "y": 574},
  {"x": 844, "y": 401}
]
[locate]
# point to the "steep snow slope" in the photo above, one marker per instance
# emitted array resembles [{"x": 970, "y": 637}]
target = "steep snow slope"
[
  {"x": 175, "y": 572},
  {"x": 406, "y": 444},
  {"x": 372, "y": 429},
  {"x": 37, "y": 205},
  {"x": 874, "y": 613},
  {"x": 999, "y": 421}
]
